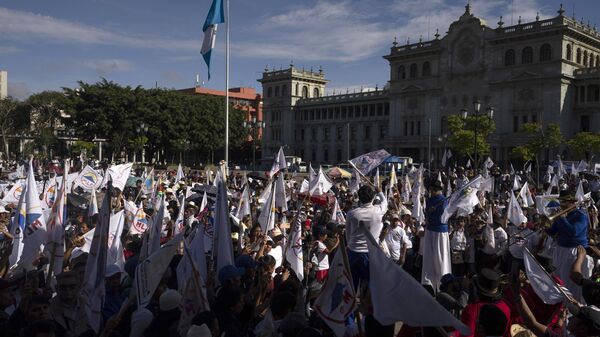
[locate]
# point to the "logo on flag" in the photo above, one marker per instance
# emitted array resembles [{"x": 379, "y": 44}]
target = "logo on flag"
[
  {"x": 340, "y": 302},
  {"x": 17, "y": 192},
  {"x": 368, "y": 161},
  {"x": 90, "y": 179}
]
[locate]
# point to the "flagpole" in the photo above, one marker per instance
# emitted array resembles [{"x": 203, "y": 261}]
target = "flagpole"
[{"x": 226, "y": 83}]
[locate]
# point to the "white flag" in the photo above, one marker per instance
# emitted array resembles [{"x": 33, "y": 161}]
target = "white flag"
[
  {"x": 13, "y": 195},
  {"x": 320, "y": 185},
  {"x": 355, "y": 181},
  {"x": 579, "y": 193},
  {"x": 266, "y": 219},
  {"x": 391, "y": 285},
  {"x": 120, "y": 174},
  {"x": 444, "y": 158},
  {"x": 337, "y": 300},
  {"x": 515, "y": 213},
  {"x": 278, "y": 164},
  {"x": 280, "y": 195},
  {"x": 243, "y": 208},
  {"x": 179, "y": 226},
  {"x": 463, "y": 200},
  {"x": 115, "y": 246},
  {"x": 156, "y": 229},
  {"x": 193, "y": 293},
  {"x": 204, "y": 202},
  {"x": 304, "y": 187},
  {"x": 526, "y": 196},
  {"x": 95, "y": 269},
  {"x": 55, "y": 245},
  {"x": 337, "y": 216},
  {"x": 50, "y": 193},
  {"x": 180, "y": 176},
  {"x": 543, "y": 285},
  {"x": 16, "y": 229},
  {"x": 198, "y": 255},
  {"x": 35, "y": 233},
  {"x": 93, "y": 206},
  {"x": 88, "y": 178},
  {"x": 293, "y": 252},
  {"x": 150, "y": 271},
  {"x": 516, "y": 186}
]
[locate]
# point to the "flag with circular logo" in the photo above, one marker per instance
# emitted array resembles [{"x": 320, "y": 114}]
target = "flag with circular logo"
[{"x": 88, "y": 178}]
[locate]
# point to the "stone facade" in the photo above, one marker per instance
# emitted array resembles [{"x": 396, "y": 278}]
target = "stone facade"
[{"x": 545, "y": 71}]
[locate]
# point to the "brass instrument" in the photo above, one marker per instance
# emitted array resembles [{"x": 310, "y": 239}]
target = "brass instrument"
[{"x": 548, "y": 220}]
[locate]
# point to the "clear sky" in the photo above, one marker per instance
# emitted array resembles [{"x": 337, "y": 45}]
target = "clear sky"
[{"x": 46, "y": 45}]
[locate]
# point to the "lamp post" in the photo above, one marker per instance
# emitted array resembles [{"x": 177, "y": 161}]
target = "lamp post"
[
  {"x": 477, "y": 113},
  {"x": 141, "y": 131},
  {"x": 254, "y": 125}
]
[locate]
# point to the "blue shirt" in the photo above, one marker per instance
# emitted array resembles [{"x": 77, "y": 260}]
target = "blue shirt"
[
  {"x": 433, "y": 213},
  {"x": 571, "y": 231}
]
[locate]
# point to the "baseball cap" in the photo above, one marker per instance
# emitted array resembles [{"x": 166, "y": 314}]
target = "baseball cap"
[
  {"x": 228, "y": 272},
  {"x": 246, "y": 261}
]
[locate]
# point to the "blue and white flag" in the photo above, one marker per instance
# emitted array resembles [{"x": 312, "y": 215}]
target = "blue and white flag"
[
  {"x": 369, "y": 161},
  {"x": 214, "y": 17}
]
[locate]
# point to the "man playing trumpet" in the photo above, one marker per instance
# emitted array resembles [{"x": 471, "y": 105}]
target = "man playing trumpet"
[{"x": 569, "y": 230}]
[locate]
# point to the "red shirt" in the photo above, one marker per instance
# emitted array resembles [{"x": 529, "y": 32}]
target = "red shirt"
[{"x": 471, "y": 312}]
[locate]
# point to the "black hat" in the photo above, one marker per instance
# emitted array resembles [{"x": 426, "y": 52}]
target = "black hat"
[
  {"x": 488, "y": 282},
  {"x": 436, "y": 185},
  {"x": 566, "y": 195}
]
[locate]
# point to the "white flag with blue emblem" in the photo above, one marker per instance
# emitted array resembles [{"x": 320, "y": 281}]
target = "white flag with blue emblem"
[{"x": 214, "y": 17}]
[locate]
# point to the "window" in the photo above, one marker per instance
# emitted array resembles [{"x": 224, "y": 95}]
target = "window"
[
  {"x": 330, "y": 113},
  {"x": 585, "y": 58},
  {"x": 534, "y": 118},
  {"x": 412, "y": 128},
  {"x": 276, "y": 91},
  {"x": 382, "y": 131},
  {"x": 284, "y": 90},
  {"x": 338, "y": 133},
  {"x": 302, "y": 134},
  {"x": 515, "y": 123},
  {"x": 386, "y": 109},
  {"x": 269, "y": 92},
  {"x": 426, "y": 69},
  {"x": 418, "y": 128},
  {"x": 593, "y": 93},
  {"x": 339, "y": 155},
  {"x": 527, "y": 55},
  {"x": 509, "y": 57},
  {"x": 365, "y": 110},
  {"x": 313, "y": 134},
  {"x": 380, "y": 109},
  {"x": 591, "y": 60},
  {"x": 326, "y": 133},
  {"x": 372, "y": 109},
  {"x": 444, "y": 124},
  {"x": 337, "y": 113},
  {"x": 584, "y": 123},
  {"x": 350, "y": 111},
  {"x": 406, "y": 128},
  {"x": 545, "y": 52},
  {"x": 316, "y": 92},
  {"x": 304, "y": 92},
  {"x": 582, "y": 94},
  {"x": 367, "y": 132},
  {"x": 569, "y": 52},
  {"x": 524, "y": 118},
  {"x": 413, "y": 71},
  {"x": 578, "y": 56},
  {"x": 401, "y": 73},
  {"x": 297, "y": 89},
  {"x": 344, "y": 109},
  {"x": 353, "y": 133}
]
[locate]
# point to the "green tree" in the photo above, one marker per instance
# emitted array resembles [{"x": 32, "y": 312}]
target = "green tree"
[
  {"x": 539, "y": 138},
  {"x": 585, "y": 143},
  {"x": 8, "y": 113},
  {"x": 46, "y": 112},
  {"x": 462, "y": 138}
]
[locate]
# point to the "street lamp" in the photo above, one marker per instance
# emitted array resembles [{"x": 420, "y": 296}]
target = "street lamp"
[
  {"x": 141, "y": 131},
  {"x": 254, "y": 125},
  {"x": 477, "y": 113}
]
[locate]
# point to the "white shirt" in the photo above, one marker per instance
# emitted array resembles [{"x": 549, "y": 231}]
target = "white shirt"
[
  {"x": 322, "y": 258},
  {"x": 396, "y": 238},
  {"x": 459, "y": 241},
  {"x": 371, "y": 216}
]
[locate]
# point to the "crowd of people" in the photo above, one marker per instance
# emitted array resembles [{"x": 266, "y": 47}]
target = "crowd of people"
[{"x": 217, "y": 253}]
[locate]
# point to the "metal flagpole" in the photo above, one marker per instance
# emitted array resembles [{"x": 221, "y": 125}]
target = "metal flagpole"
[{"x": 227, "y": 84}]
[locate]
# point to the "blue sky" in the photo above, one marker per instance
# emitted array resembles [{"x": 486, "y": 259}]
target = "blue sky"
[{"x": 46, "y": 45}]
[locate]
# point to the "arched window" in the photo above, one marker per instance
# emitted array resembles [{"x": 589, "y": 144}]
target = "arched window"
[
  {"x": 269, "y": 92},
  {"x": 304, "y": 92},
  {"x": 545, "y": 52},
  {"x": 316, "y": 92},
  {"x": 509, "y": 57},
  {"x": 284, "y": 90},
  {"x": 426, "y": 69},
  {"x": 297, "y": 90},
  {"x": 401, "y": 72},
  {"x": 276, "y": 91},
  {"x": 569, "y": 52},
  {"x": 591, "y": 60},
  {"x": 414, "y": 71},
  {"x": 585, "y": 58},
  {"x": 578, "y": 59},
  {"x": 527, "y": 55}
]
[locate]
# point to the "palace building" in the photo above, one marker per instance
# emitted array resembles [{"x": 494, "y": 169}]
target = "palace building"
[{"x": 544, "y": 71}]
